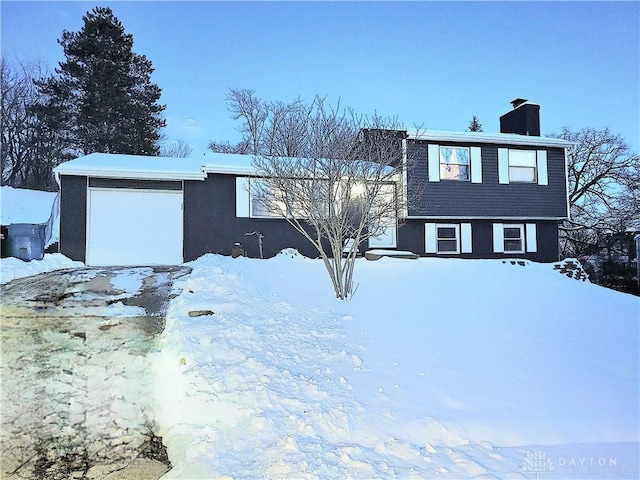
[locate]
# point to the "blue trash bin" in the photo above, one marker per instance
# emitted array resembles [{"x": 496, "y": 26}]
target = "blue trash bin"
[{"x": 26, "y": 241}]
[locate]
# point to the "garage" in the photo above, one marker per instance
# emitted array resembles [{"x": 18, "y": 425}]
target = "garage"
[{"x": 134, "y": 222}]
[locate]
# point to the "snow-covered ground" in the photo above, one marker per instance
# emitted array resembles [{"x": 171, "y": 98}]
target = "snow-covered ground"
[
  {"x": 11, "y": 268},
  {"x": 436, "y": 369}
]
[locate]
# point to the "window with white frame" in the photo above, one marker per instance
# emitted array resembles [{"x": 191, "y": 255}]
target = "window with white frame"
[
  {"x": 513, "y": 237},
  {"x": 522, "y": 166},
  {"x": 264, "y": 201},
  {"x": 448, "y": 238},
  {"x": 454, "y": 163}
]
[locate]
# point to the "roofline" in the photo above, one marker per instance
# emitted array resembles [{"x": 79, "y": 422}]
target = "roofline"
[
  {"x": 129, "y": 174},
  {"x": 481, "y": 137}
]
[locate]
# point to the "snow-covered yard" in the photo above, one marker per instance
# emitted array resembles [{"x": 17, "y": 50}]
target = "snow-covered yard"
[{"x": 435, "y": 369}]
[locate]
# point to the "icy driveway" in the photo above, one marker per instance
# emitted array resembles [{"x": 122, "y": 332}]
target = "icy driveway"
[{"x": 76, "y": 388}]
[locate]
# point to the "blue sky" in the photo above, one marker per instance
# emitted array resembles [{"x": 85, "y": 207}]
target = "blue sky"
[{"x": 432, "y": 64}]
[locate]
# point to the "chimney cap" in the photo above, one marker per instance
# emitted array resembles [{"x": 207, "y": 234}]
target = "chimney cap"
[{"x": 518, "y": 101}]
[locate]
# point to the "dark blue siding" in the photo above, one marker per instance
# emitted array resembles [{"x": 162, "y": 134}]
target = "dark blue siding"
[
  {"x": 411, "y": 236},
  {"x": 211, "y": 225},
  {"x": 489, "y": 198},
  {"x": 73, "y": 217}
]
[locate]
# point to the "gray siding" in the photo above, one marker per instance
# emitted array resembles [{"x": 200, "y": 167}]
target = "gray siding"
[
  {"x": 211, "y": 225},
  {"x": 411, "y": 236},
  {"x": 489, "y": 198},
  {"x": 73, "y": 217}
]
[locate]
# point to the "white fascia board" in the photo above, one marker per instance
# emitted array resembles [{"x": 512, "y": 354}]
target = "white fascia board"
[
  {"x": 467, "y": 217},
  {"x": 131, "y": 174},
  {"x": 481, "y": 137}
]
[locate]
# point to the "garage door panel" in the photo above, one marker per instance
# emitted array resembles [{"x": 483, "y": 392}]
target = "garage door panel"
[{"x": 134, "y": 227}]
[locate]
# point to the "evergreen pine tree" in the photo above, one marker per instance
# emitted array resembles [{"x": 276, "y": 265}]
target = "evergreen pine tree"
[
  {"x": 475, "y": 125},
  {"x": 102, "y": 97}
]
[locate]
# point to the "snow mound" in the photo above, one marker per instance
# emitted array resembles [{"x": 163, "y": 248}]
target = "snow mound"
[
  {"x": 290, "y": 253},
  {"x": 435, "y": 369},
  {"x": 19, "y": 205},
  {"x": 11, "y": 268}
]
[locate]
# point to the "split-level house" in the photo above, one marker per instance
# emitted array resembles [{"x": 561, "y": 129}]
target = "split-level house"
[{"x": 477, "y": 195}]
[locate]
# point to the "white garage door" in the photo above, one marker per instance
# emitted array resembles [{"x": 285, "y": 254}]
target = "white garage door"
[{"x": 134, "y": 227}]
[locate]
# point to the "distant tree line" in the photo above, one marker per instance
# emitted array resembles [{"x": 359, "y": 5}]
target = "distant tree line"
[{"x": 99, "y": 99}]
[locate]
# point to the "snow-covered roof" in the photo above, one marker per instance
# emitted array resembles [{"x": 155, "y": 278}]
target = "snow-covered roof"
[
  {"x": 134, "y": 166},
  {"x": 158, "y": 168},
  {"x": 482, "y": 137}
]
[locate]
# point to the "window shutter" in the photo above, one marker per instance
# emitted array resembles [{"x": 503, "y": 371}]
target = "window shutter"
[
  {"x": 434, "y": 163},
  {"x": 430, "y": 240},
  {"x": 532, "y": 238},
  {"x": 242, "y": 197},
  {"x": 465, "y": 238},
  {"x": 503, "y": 165},
  {"x": 498, "y": 238},
  {"x": 543, "y": 178},
  {"x": 476, "y": 165}
]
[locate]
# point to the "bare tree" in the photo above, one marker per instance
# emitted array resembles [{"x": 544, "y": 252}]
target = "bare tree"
[
  {"x": 176, "y": 149},
  {"x": 266, "y": 127},
  {"x": 341, "y": 189},
  {"x": 29, "y": 151},
  {"x": 603, "y": 175}
]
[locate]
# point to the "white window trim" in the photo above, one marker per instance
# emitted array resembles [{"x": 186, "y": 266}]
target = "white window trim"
[
  {"x": 433, "y": 162},
  {"x": 463, "y": 238},
  {"x": 523, "y": 239},
  {"x": 475, "y": 163},
  {"x": 456, "y": 227},
  {"x": 243, "y": 201},
  {"x": 468, "y": 165},
  {"x": 541, "y": 167}
]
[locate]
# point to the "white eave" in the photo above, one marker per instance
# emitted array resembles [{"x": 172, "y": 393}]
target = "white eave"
[{"x": 481, "y": 137}]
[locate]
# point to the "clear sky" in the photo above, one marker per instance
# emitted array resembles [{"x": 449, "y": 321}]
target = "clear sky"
[{"x": 430, "y": 64}]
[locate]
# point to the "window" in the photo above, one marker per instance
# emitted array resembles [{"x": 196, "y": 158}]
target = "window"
[
  {"x": 264, "y": 202},
  {"x": 513, "y": 238},
  {"x": 454, "y": 163},
  {"x": 522, "y": 166},
  {"x": 447, "y": 239}
]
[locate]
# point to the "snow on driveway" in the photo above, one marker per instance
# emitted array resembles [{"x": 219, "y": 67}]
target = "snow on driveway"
[
  {"x": 76, "y": 384},
  {"x": 436, "y": 369}
]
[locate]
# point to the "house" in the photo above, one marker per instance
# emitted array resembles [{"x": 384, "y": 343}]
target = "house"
[{"x": 480, "y": 196}]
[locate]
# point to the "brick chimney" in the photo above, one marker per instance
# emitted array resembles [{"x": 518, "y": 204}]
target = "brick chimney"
[{"x": 524, "y": 119}]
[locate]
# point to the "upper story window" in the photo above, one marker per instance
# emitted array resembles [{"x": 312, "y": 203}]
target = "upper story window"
[
  {"x": 522, "y": 166},
  {"x": 454, "y": 163}
]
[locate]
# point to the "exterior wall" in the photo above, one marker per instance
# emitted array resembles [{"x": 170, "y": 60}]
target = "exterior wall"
[
  {"x": 73, "y": 216},
  {"x": 489, "y": 199},
  {"x": 411, "y": 236},
  {"x": 211, "y": 225}
]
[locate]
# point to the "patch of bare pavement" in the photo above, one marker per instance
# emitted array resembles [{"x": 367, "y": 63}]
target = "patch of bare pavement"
[{"x": 77, "y": 393}]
